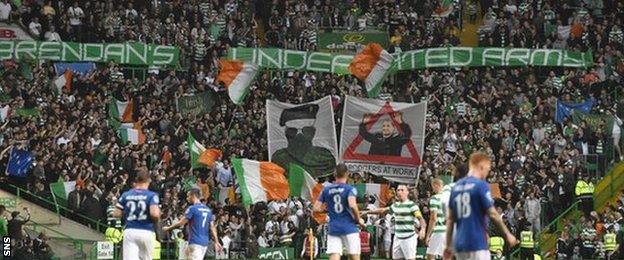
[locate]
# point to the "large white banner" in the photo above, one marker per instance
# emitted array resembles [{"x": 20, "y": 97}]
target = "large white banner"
[
  {"x": 383, "y": 138},
  {"x": 303, "y": 134}
]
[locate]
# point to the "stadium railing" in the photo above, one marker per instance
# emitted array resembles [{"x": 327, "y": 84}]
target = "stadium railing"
[
  {"x": 55, "y": 207},
  {"x": 606, "y": 191},
  {"x": 609, "y": 187},
  {"x": 546, "y": 238},
  {"x": 77, "y": 244}
]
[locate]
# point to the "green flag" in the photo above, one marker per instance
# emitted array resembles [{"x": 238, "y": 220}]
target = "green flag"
[
  {"x": 61, "y": 190},
  {"x": 195, "y": 150},
  {"x": 302, "y": 184},
  {"x": 27, "y": 112},
  {"x": 189, "y": 183},
  {"x": 98, "y": 157}
]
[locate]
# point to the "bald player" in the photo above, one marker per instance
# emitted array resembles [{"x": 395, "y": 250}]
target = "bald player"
[
  {"x": 407, "y": 219},
  {"x": 436, "y": 233}
]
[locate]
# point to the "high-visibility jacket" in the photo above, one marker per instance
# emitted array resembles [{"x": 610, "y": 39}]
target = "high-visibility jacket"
[
  {"x": 113, "y": 235},
  {"x": 526, "y": 239},
  {"x": 365, "y": 242},
  {"x": 537, "y": 257},
  {"x": 156, "y": 252},
  {"x": 584, "y": 189},
  {"x": 609, "y": 242},
  {"x": 310, "y": 248},
  {"x": 496, "y": 244}
]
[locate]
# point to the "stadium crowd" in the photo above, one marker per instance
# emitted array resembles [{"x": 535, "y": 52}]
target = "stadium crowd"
[{"x": 507, "y": 112}]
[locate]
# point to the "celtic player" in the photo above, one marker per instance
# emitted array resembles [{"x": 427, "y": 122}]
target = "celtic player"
[
  {"x": 407, "y": 217},
  {"x": 436, "y": 233}
]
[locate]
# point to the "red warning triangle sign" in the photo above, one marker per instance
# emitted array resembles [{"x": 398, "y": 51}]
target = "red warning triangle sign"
[{"x": 350, "y": 154}]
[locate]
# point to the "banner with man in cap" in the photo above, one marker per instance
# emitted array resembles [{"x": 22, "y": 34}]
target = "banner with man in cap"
[
  {"x": 303, "y": 134},
  {"x": 383, "y": 138}
]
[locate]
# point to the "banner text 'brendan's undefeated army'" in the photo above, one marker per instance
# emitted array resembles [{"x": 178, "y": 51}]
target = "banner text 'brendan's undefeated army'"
[
  {"x": 122, "y": 53},
  {"x": 283, "y": 59}
]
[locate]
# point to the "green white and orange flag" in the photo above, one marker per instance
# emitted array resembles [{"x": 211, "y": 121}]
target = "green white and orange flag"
[
  {"x": 381, "y": 192},
  {"x": 121, "y": 110},
  {"x": 372, "y": 65},
  {"x": 303, "y": 185},
  {"x": 223, "y": 193},
  {"x": 237, "y": 77},
  {"x": 61, "y": 189},
  {"x": 260, "y": 181},
  {"x": 116, "y": 124},
  {"x": 131, "y": 135},
  {"x": 201, "y": 156},
  {"x": 445, "y": 9},
  {"x": 64, "y": 82}
]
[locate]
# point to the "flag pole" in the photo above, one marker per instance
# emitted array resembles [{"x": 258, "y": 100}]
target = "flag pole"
[{"x": 311, "y": 242}]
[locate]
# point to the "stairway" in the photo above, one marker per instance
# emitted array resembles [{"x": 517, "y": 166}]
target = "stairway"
[
  {"x": 260, "y": 31},
  {"x": 606, "y": 192},
  {"x": 469, "y": 36},
  {"x": 68, "y": 239}
]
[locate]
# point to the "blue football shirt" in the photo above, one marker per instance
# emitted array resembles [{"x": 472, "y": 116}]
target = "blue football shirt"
[
  {"x": 341, "y": 220},
  {"x": 199, "y": 218},
  {"x": 135, "y": 204},
  {"x": 470, "y": 199}
]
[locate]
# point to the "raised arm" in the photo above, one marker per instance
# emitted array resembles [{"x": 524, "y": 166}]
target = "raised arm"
[{"x": 364, "y": 132}]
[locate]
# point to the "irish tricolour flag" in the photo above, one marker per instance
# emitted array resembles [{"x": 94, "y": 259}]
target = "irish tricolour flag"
[
  {"x": 121, "y": 110},
  {"x": 237, "y": 77},
  {"x": 61, "y": 189},
  {"x": 116, "y": 124},
  {"x": 63, "y": 82},
  {"x": 260, "y": 181},
  {"x": 372, "y": 66},
  {"x": 303, "y": 185},
  {"x": 380, "y": 192},
  {"x": 223, "y": 193},
  {"x": 201, "y": 156},
  {"x": 131, "y": 135}
]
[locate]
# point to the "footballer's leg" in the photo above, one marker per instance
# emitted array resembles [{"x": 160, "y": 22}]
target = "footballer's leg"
[
  {"x": 334, "y": 247},
  {"x": 354, "y": 248},
  {"x": 147, "y": 247},
  {"x": 130, "y": 247},
  {"x": 397, "y": 252}
]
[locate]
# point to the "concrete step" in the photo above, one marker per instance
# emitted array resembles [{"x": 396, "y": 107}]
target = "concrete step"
[{"x": 65, "y": 235}]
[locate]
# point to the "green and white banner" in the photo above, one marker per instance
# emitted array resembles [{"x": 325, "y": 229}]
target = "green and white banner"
[
  {"x": 344, "y": 41},
  {"x": 122, "y": 53},
  {"x": 276, "y": 253},
  {"x": 272, "y": 58},
  {"x": 595, "y": 121},
  {"x": 197, "y": 104}
]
